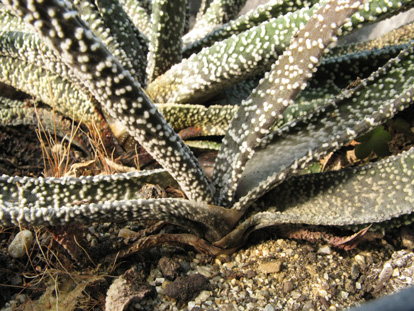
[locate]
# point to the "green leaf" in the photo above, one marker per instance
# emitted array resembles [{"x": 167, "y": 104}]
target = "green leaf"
[
  {"x": 275, "y": 92},
  {"x": 245, "y": 22},
  {"x": 217, "y": 13},
  {"x": 119, "y": 93},
  {"x": 353, "y": 113},
  {"x": 168, "y": 21},
  {"x": 375, "y": 141}
]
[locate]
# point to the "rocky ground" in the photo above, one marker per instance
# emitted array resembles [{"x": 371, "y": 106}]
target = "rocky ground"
[{"x": 268, "y": 273}]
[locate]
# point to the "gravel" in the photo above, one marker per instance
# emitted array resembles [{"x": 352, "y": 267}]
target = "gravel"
[
  {"x": 285, "y": 274},
  {"x": 268, "y": 273}
]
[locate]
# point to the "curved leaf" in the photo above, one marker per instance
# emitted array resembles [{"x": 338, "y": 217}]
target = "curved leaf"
[
  {"x": 275, "y": 92},
  {"x": 115, "y": 89},
  {"x": 353, "y": 113}
]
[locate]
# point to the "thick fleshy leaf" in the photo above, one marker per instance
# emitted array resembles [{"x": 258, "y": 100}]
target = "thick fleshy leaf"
[
  {"x": 214, "y": 69},
  {"x": 139, "y": 12},
  {"x": 55, "y": 192},
  {"x": 343, "y": 70},
  {"x": 111, "y": 25},
  {"x": 258, "y": 113},
  {"x": 189, "y": 120},
  {"x": 48, "y": 87},
  {"x": 168, "y": 21},
  {"x": 115, "y": 88},
  {"x": 216, "y": 13},
  {"x": 352, "y": 197},
  {"x": 59, "y": 201},
  {"x": 356, "y": 111},
  {"x": 230, "y": 61},
  {"x": 271, "y": 9},
  {"x": 216, "y": 118}
]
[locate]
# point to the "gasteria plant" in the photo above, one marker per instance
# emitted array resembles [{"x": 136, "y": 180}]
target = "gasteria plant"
[{"x": 304, "y": 102}]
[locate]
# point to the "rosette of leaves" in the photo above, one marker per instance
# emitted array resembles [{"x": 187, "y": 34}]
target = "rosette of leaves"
[{"x": 264, "y": 83}]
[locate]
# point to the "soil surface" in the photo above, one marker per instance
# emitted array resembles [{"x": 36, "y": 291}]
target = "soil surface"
[{"x": 268, "y": 273}]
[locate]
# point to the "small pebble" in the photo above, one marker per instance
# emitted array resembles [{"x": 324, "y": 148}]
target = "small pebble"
[
  {"x": 354, "y": 271},
  {"x": 270, "y": 267},
  {"x": 324, "y": 250},
  {"x": 269, "y": 307},
  {"x": 384, "y": 276},
  {"x": 250, "y": 274},
  {"x": 17, "y": 248},
  {"x": 126, "y": 233},
  {"x": 307, "y": 306},
  {"x": 185, "y": 266},
  {"x": 360, "y": 260},
  {"x": 344, "y": 295},
  {"x": 287, "y": 286}
]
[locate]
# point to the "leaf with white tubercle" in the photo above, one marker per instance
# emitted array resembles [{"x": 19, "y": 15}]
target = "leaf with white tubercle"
[
  {"x": 44, "y": 192},
  {"x": 251, "y": 19},
  {"x": 168, "y": 22},
  {"x": 183, "y": 116},
  {"x": 29, "y": 48},
  {"x": 381, "y": 192},
  {"x": 111, "y": 25},
  {"x": 67, "y": 99},
  {"x": 358, "y": 60},
  {"x": 354, "y": 112},
  {"x": 345, "y": 69},
  {"x": 375, "y": 11},
  {"x": 234, "y": 59},
  {"x": 217, "y": 13},
  {"x": 115, "y": 89},
  {"x": 207, "y": 221},
  {"x": 288, "y": 76},
  {"x": 139, "y": 14},
  {"x": 222, "y": 65},
  {"x": 9, "y": 21},
  {"x": 398, "y": 36},
  {"x": 60, "y": 201},
  {"x": 355, "y": 61}
]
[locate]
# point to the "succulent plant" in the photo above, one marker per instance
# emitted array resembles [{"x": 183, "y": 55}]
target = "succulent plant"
[{"x": 265, "y": 81}]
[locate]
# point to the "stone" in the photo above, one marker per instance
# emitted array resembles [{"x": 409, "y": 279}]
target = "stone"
[
  {"x": 126, "y": 233},
  {"x": 324, "y": 250},
  {"x": 287, "y": 286},
  {"x": 307, "y": 306},
  {"x": 344, "y": 295},
  {"x": 384, "y": 276},
  {"x": 354, "y": 271},
  {"x": 270, "y": 266},
  {"x": 17, "y": 248},
  {"x": 360, "y": 260}
]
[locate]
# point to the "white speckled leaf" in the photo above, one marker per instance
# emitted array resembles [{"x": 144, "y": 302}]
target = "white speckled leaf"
[
  {"x": 288, "y": 76},
  {"x": 353, "y": 113}
]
